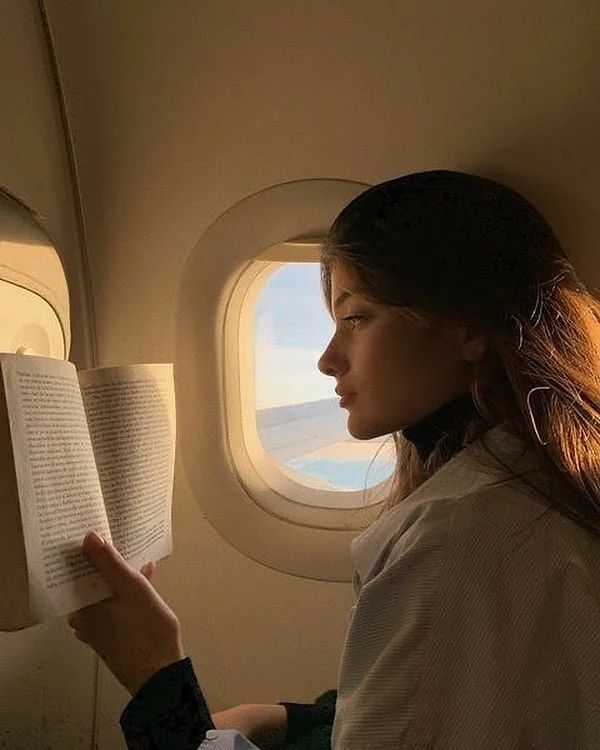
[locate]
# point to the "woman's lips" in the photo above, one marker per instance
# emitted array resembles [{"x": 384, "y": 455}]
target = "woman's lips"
[{"x": 344, "y": 400}]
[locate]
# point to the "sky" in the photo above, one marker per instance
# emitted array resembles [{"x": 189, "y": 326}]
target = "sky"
[{"x": 291, "y": 331}]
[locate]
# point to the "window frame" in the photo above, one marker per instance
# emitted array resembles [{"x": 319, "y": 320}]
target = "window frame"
[
  {"x": 305, "y": 541},
  {"x": 60, "y": 349},
  {"x": 40, "y": 272},
  {"x": 287, "y": 498}
]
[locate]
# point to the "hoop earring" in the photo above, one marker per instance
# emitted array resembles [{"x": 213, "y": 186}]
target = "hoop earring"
[{"x": 537, "y": 388}]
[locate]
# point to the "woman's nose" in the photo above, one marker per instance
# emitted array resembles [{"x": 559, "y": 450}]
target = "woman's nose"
[
  {"x": 326, "y": 369},
  {"x": 326, "y": 362}
]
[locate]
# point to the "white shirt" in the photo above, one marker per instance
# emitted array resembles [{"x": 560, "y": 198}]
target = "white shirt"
[
  {"x": 477, "y": 623},
  {"x": 477, "y": 620}
]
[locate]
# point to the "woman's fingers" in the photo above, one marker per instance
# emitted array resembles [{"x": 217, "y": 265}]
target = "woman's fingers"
[{"x": 147, "y": 570}]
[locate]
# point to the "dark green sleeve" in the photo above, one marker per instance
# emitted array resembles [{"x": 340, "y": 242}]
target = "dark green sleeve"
[
  {"x": 303, "y": 718},
  {"x": 168, "y": 711}
]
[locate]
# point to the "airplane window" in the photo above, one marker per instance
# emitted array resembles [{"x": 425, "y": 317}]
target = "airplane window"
[
  {"x": 34, "y": 297},
  {"x": 28, "y": 325},
  {"x": 298, "y": 417}
]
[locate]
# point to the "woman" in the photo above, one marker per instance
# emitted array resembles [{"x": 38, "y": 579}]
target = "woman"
[{"x": 464, "y": 332}]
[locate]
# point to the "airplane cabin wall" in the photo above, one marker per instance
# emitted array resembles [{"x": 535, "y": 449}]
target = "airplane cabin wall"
[
  {"x": 47, "y": 687},
  {"x": 180, "y": 110}
]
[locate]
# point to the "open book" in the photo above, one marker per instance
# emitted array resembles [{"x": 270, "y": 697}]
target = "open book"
[{"x": 79, "y": 452}]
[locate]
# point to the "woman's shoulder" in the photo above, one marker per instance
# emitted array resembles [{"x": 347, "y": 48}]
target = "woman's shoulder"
[
  {"x": 509, "y": 528},
  {"x": 493, "y": 520}
]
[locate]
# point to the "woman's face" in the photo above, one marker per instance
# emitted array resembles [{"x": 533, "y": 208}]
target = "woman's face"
[{"x": 398, "y": 370}]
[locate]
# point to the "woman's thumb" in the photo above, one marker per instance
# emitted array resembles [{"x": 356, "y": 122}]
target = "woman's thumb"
[{"x": 147, "y": 569}]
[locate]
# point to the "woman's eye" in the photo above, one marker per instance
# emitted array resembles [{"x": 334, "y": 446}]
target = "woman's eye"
[{"x": 353, "y": 318}]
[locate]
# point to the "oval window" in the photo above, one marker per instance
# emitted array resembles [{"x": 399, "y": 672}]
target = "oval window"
[
  {"x": 298, "y": 417},
  {"x": 28, "y": 324}
]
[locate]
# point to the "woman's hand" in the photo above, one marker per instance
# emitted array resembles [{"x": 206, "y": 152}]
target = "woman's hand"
[
  {"x": 265, "y": 724},
  {"x": 134, "y": 632}
]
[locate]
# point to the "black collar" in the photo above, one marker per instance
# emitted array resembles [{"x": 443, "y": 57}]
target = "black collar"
[{"x": 426, "y": 433}]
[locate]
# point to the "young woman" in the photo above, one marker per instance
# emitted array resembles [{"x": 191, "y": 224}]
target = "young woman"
[{"x": 463, "y": 331}]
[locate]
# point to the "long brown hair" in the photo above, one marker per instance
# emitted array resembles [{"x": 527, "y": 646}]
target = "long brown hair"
[{"x": 452, "y": 246}]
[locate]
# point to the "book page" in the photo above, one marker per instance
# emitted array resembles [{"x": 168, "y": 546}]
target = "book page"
[
  {"x": 14, "y": 584},
  {"x": 131, "y": 417},
  {"x": 59, "y": 492}
]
